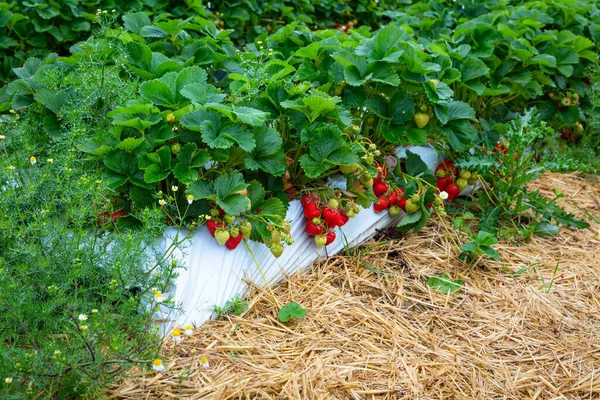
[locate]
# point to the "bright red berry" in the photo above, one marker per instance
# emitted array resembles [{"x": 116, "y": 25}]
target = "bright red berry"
[
  {"x": 380, "y": 188},
  {"x": 310, "y": 197},
  {"x": 393, "y": 198},
  {"x": 382, "y": 205},
  {"x": 311, "y": 210},
  {"x": 312, "y": 229},
  {"x": 453, "y": 191},
  {"x": 344, "y": 219},
  {"x": 116, "y": 214},
  {"x": 402, "y": 204},
  {"x": 233, "y": 242},
  {"x": 212, "y": 226},
  {"x": 442, "y": 183},
  {"x": 330, "y": 238},
  {"x": 332, "y": 217}
]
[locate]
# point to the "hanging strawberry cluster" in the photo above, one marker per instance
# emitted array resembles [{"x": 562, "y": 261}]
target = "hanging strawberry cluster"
[
  {"x": 323, "y": 216},
  {"x": 388, "y": 196},
  {"x": 451, "y": 181}
]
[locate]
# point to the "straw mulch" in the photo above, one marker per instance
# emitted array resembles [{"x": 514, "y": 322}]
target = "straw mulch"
[{"x": 375, "y": 330}]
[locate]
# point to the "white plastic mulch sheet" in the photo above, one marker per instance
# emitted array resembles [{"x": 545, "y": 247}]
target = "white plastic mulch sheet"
[{"x": 213, "y": 274}]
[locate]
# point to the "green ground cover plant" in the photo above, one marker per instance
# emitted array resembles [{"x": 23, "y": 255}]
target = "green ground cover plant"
[{"x": 160, "y": 120}]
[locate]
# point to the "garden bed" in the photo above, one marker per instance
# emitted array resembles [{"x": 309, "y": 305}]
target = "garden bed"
[{"x": 518, "y": 328}]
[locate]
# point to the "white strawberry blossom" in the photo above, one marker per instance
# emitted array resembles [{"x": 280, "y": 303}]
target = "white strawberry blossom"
[{"x": 443, "y": 195}]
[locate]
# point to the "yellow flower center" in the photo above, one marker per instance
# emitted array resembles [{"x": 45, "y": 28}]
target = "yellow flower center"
[
  {"x": 176, "y": 332},
  {"x": 157, "y": 362}
]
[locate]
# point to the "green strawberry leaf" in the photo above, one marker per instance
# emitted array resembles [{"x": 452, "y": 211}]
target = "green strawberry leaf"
[
  {"x": 445, "y": 284},
  {"x": 293, "y": 309}
]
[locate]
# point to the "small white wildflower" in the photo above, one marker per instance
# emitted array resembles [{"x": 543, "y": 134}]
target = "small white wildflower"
[
  {"x": 188, "y": 330},
  {"x": 259, "y": 42},
  {"x": 84, "y": 327},
  {"x": 190, "y": 198},
  {"x": 94, "y": 311},
  {"x": 32, "y": 160},
  {"x": 82, "y": 317},
  {"x": 158, "y": 297},
  {"x": 57, "y": 352},
  {"x": 174, "y": 188},
  {"x": 2, "y": 137},
  {"x": 176, "y": 335},
  {"x": 443, "y": 195},
  {"x": 50, "y": 161},
  {"x": 11, "y": 167},
  {"x": 204, "y": 362},
  {"x": 162, "y": 202},
  {"x": 157, "y": 365},
  {"x": 8, "y": 380}
]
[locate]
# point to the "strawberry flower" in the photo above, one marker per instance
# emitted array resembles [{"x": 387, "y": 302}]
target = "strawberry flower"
[{"x": 443, "y": 195}]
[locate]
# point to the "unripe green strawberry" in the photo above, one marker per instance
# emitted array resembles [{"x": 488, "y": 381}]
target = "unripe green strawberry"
[
  {"x": 437, "y": 201},
  {"x": 234, "y": 232},
  {"x": 348, "y": 169},
  {"x": 246, "y": 229},
  {"x": 435, "y": 82},
  {"x": 370, "y": 120},
  {"x": 421, "y": 120},
  {"x": 316, "y": 221},
  {"x": 170, "y": 118},
  {"x": 337, "y": 91},
  {"x": 320, "y": 240},
  {"x": 214, "y": 212},
  {"x": 276, "y": 250},
  {"x": 412, "y": 207},
  {"x": 342, "y": 84},
  {"x": 394, "y": 211},
  {"x": 175, "y": 148},
  {"x": 356, "y": 209},
  {"x": 440, "y": 173},
  {"x": 367, "y": 181},
  {"x": 473, "y": 179},
  {"x": 370, "y": 160},
  {"x": 249, "y": 206},
  {"x": 423, "y": 108},
  {"x": 461, "y": 183},
  {"x": 415, "y": 198},
  {"x": 333, "y": 203},
  {"x": 465, "y": 174},
  {"x": 578, "y": 127},
  {"x": 222, "y": 236},
  {"x": 229, "y": 219},
  {"x": 350, "y": 213},
  {"x": 274, "y": 239}
]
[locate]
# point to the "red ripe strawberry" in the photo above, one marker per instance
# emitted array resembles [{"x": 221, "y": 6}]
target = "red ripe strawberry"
[
  {"x": 233, "y": 242},
  {"x": 382, "y": 205},
  {"x": 402, "y": 204},
  {"x": 311, "y": 211},
  {"x": 330, "y": 238},
  {"x": 312, "y": 229},
  {"x": 393, "y": 198},
  {"x": 442, "y": 183},
  {"x": 587, "y": 80},
  {"x": 212, "y": 226},
  {"x": 453, "y": 191},
  {"x": 447, "y": 166},
  {"x": 344, "y": 219},
  {"x": 332, "y": 217},
  {"x": 380, "y": 188},
  {"x": 310, "y": 197},
  {"x": 116, "y": 214}
]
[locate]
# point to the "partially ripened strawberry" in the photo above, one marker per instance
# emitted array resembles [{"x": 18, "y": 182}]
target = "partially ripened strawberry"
[
  {"x": 233, "y": 242},
  {"x": 313, "y": 229},
  {"x": 380, "y": 188},
  {"x": 310, "y": 197},
  {"x": 453, "y": 192},
  {"x": 382, "y": 205},
  {"x": 311, "y": 210},
  {"x": 330, "y": 237},
  {"x": 320, "y": 240},
  {"x": 222, "y": 236},
  {"x": 212, "y": 226}
]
